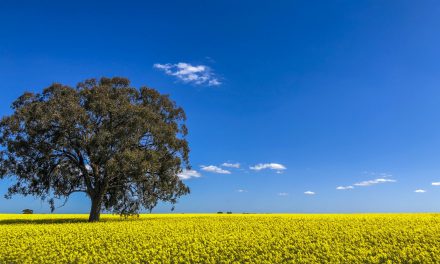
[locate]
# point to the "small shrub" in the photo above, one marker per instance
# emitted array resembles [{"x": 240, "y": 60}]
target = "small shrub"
[{"x": 27, "y": 211}]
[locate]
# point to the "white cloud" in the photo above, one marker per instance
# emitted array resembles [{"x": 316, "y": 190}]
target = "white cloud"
[
  {"x": 272, "y": 166},
  {"x": 241, "y": 191},
  {"x": 215, "y": 169},
  {"x": 378, "y": 174},
  {"x": 344, "y": 187},
  {"x": 188, "y": 174},
  {"x": 436, "y": 184},
  {"x": 420, "y": 191},
  {"x": 88, "y": 168},
  {"x": 283, "y": 194},
  {"x": 373, "y": 182},
  {"x": 231, "y": 165},
  {"x": 309, "y": 193},
  {"x": 195, "y": 74}
]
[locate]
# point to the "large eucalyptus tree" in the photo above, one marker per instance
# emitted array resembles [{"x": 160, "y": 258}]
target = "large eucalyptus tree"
[{"x": 124, "y": 147}]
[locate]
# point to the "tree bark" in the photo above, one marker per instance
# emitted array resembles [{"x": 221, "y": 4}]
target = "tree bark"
[{"x": 95, "y": 210}]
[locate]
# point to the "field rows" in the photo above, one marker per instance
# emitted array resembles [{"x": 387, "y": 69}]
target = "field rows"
[{"x": 174, "y": 238}]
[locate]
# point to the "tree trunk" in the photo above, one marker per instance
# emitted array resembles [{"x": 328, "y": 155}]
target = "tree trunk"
[{"x": 95, "y": 210}]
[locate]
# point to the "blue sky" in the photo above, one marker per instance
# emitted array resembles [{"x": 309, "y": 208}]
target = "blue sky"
[{"x": 320, "y": 94}]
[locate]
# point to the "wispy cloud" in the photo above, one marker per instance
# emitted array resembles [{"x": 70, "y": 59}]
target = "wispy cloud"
[
  {"x": 378, "y": 174},
  {"x": 309, "y": 193},
  {"x": 188, "y": 174},
  {"x": 344, "y": 187},
  {"x": 420, "y": 191},
  {"x": 382, "y": 178},
  {"x": 187, "y": 73},
  {"x": 241, "y": 191},
  {"x": 283, "y": 194},
  {"x": 373, "y": 182},
  {"x": 436, "y": 184},
  {"x": 215, "y": 169},
  {"x": 231, "y": 165},
  {"x": 271, "y": 166}
]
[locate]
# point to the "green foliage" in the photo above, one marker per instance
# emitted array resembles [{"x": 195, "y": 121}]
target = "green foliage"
[{"x": 122, "y": 146}]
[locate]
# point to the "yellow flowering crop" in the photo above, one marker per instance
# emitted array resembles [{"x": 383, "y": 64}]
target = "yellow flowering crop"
[{"x": 236, "y": 238}]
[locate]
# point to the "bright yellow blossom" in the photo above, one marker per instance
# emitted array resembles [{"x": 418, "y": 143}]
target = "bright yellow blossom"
[{"x": 236, "y": 238}]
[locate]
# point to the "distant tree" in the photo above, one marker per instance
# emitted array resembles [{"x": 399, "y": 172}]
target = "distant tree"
[
  {"x": 228, "y": 212},
  {"x": 124, "y": 147},
  {"x": 27, "y": 211},
  {"x": 219, "y": 212}
]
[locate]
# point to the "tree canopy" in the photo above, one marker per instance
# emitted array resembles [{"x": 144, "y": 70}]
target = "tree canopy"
[{"x": 122, "y": 146}]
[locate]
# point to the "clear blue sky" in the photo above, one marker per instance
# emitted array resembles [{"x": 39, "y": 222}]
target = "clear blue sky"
[{"x": 339, "y": 93}]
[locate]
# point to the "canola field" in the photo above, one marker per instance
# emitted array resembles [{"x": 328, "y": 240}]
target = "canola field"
[{"x": 236, "y": 238}]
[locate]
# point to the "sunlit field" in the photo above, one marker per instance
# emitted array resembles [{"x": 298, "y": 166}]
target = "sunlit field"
[{"x": 236, "y": 238}]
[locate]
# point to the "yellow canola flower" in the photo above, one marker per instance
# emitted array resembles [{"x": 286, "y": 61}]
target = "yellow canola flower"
[{"x": 211, "y": 238}]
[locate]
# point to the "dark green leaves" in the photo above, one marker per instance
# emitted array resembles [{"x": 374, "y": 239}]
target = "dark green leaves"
[{"x": 122, "y": 146}]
